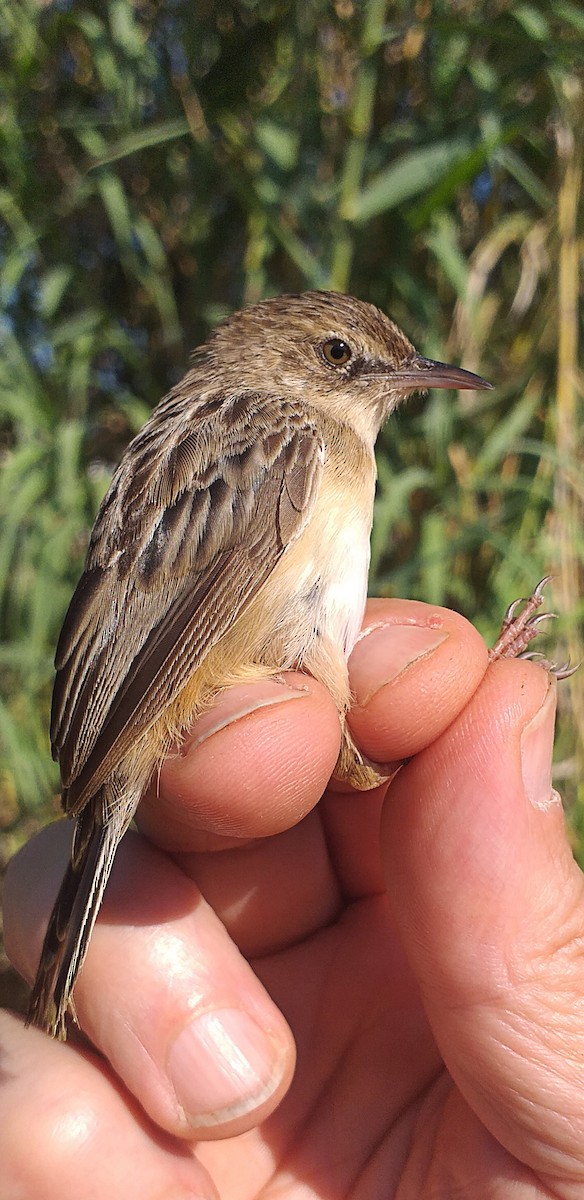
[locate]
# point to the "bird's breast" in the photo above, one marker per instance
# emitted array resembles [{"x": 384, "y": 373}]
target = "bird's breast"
[{"x": 319, "y": 587}]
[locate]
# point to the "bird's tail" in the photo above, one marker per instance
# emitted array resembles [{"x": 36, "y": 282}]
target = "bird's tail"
[{"x": 74, "y": 913}]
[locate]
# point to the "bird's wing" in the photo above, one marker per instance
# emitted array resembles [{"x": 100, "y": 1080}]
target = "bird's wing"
[{"x": 196, "y": 518}]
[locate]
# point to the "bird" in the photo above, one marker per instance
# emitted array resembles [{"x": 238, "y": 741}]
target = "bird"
[{"x": 233, "y": 544}]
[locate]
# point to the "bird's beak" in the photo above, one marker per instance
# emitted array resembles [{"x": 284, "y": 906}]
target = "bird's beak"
[{"x": 421, "y": 373}]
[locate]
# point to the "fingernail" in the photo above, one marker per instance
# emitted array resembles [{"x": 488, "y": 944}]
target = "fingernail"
[
  {"x": 386, "y": 651},
  {"x": 537, "y": 742},
  {"x": 222, "y": 1066},
  {"x": 242, "y": 701}
]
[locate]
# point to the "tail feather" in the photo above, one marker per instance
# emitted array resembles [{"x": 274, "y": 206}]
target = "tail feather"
[{"x": 74, "y": 914}]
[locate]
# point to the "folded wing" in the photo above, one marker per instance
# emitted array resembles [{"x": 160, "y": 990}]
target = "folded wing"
[{"x": 183, "y": 541}]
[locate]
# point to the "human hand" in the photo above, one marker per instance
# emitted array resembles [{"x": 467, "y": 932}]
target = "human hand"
[{"x": 423, "y": 946}]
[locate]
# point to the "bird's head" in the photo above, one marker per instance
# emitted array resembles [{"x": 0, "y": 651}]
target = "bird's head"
[{"x": 330, "y": 351}]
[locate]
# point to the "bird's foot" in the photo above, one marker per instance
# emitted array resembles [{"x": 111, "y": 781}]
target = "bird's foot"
[{"x": 520, "y": 626}]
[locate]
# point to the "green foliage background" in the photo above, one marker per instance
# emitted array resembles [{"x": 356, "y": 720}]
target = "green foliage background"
[{"x": 164, "y": 163}]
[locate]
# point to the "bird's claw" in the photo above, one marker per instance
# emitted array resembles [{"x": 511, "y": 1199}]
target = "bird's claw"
[
  {"x": 517, "y": 631},
  {"x": 561, "y": 671}
]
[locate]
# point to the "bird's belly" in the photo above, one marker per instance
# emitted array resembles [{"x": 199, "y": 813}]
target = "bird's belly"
[{"x": 338, "y": 595}]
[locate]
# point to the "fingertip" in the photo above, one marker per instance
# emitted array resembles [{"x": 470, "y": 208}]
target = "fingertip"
[
  {"x": 65, "y": 1121},
  {"x": 161, "y": 975},
  {"x": 176, "y": 1008},
  {"x": 413, "y": 669},
  {"x": 252, "y": 766}
]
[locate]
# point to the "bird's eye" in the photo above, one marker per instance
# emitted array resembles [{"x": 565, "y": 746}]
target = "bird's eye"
[{"x": 336, "y": 352}]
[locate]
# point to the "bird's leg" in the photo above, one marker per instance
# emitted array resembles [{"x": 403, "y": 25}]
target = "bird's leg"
[
  {"x": 520, "y": 626},
  {"x": 357, "y": 770}
]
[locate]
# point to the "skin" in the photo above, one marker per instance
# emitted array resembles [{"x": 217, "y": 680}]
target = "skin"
[{"x": 423, "y": 943}]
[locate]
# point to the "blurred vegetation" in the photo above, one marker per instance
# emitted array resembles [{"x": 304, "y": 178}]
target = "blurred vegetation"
[{"x": 162, "y": 163}]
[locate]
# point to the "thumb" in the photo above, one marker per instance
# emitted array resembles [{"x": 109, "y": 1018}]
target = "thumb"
[{"x": 491, "y": 909}]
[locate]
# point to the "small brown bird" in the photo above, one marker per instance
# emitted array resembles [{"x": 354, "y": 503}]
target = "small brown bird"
[{"x": 233, "y": 543}]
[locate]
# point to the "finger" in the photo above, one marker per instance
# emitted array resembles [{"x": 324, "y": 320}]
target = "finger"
[
  {"x": 164, "y": 993},
  {"x": 413, "y": 669},
  {"x": 491, "y": 908},
  {"x": 255, "y": 764},
  {"x": 67, "y": 1130},
  {"x": 261, "y": 758}
]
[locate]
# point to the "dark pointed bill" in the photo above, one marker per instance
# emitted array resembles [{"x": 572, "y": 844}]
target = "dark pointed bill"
[{"x": 425, "y": 373}]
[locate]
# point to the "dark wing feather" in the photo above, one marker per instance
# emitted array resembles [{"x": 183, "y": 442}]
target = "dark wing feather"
[{"x": 183, "y": 541}]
